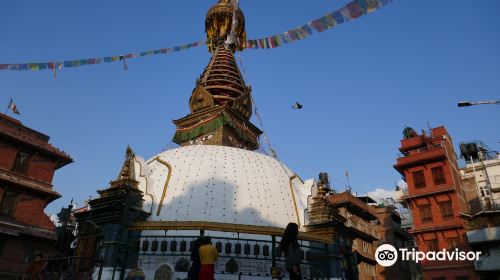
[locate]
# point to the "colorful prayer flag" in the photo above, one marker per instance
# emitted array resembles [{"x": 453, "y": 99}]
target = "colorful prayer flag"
[
  {"x": 346, "y": 14},
  {"x": 277, "y": 40},
  {"x": 293, "y": 34},
  {"x": 306, "y": 29},
  {"x": 286, "y": 37},
  {"x": 338, "y": 17},
  {"x": 354, "y": 10},
  {"x": 33, "y": 66},
  {"x": 318, "y": 25},
  {"x": 372, "y": 5}
]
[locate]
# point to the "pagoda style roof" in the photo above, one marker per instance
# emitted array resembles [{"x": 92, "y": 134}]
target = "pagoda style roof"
[
  {"x": 16, "y": 131},
  {"x": 29, "y": 183}
]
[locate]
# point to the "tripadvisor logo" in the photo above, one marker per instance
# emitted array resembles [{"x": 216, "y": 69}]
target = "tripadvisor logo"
[{"x": 387, "y": 255}]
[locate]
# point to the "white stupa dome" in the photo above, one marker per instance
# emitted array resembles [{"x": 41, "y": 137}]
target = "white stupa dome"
[{"x": 208, "y": 183}]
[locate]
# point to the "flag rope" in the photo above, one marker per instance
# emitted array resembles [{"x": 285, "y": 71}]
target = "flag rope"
[{"x": 351, "y": 11}]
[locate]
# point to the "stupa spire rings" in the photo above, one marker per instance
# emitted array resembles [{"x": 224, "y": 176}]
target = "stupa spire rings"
[{"x": 221, "y": 103}]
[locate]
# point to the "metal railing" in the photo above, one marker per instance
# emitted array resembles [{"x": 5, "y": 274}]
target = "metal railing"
[
  {"x": 484, "y": 204},
  {"x": 421, "y": 150},
  {"x": 238, "y": 256}
]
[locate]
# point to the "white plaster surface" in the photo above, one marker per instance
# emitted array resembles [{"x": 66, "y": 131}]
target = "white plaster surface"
[{"x": 221, "y": 184}]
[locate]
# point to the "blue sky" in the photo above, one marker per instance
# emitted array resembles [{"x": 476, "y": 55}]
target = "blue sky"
[{"x": 361, "y": 83}]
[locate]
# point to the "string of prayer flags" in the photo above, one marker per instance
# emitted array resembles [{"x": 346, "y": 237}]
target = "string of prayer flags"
[
  {"x": 352, "y": 10},
  {"x": 57, "y": 65}
]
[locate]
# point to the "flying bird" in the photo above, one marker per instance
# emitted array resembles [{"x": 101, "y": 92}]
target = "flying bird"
[{"x": 297, "y": 105}]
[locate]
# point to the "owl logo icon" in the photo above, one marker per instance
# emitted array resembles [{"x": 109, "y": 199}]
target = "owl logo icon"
[{"x": 386, "y": 255}]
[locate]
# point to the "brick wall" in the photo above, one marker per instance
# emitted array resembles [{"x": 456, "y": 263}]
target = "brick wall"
[
  {"x": 30, "y": 210},
  {"x": 15, "y": 250},
  {"x": 8, "y": 152},
  {"x": 41, "y": 168}
]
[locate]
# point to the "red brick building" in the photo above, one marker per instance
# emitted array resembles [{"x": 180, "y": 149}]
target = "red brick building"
[
  {"x": 429, "y": 166},
  {"x": 27, "y": 165},
  {"x": 390, "y": 232},
  {"x": 360, "y": 218}
]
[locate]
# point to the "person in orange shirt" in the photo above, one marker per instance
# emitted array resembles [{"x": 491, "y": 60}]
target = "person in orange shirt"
[{"x": 208, "y": 257}]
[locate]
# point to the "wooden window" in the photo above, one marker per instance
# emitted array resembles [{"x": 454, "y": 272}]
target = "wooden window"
[
  {"x": 8, "y": 202},
  {"x": 425, "y": 213},
  {"x": 365, "y": 246},
  {"x": 446, "y": 210},
  {"x": 21, "y": 162},
  {"x": 438, "y": 175},
  {"x": 31, "y": 253},
  {"x": 419, "y": 179},
  {"x": 452, "y": 243},
  {"x": 369, "y": 269},
  {"x": 432, "y": 245}
]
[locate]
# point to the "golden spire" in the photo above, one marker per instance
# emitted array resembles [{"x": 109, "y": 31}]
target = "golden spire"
[
  {"x": 219, "y": 24},
  {"x": 127, "y": 173}
]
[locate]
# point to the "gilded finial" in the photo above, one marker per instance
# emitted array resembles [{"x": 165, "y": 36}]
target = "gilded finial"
[
  {"x": 219, "y": 24},
  {"x": 127, "y": 173}
]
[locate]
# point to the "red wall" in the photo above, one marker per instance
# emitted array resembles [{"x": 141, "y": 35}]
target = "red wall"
[
  {"x": 8, "y": 152},
  {"x": 41, "y": 167},
  {"x": 425, "y": 160},
  {"x": 30, "y": 210},
  {"x": 12, "y": 258}
]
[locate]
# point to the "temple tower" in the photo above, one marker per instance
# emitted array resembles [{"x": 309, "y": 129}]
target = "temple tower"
[
  {"x": 106, "y": 222},
  {"x": 221, "y": 102}
]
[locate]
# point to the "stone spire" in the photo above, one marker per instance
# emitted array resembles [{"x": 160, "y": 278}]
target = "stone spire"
[{"x": 221, "y": 102}]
